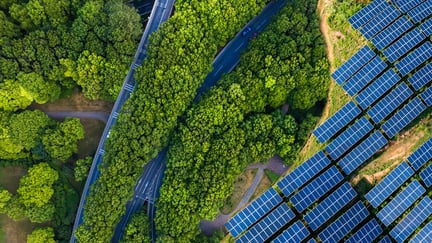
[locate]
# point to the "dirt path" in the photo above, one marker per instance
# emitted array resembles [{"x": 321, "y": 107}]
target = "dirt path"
[{"x": 99, "y": 115}]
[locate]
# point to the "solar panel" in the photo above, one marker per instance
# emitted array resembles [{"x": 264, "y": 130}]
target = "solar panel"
[
  {"x": 421, "y": 155},
  {"x": 367, "y": 13},
  {"x": 368, "y": 233},
  {"x": 362, "y": 152},
  {"x": 389, "y": 184},
  {"x": 401, "y": 203},
  {"x": 425, "y": 234},
  {"x": 421, "y": 12},
  {"x": 391, "y": 33},
  {"x": 415, "y": 58},
  {"x": 427, "y": 96},
  {"x": 316, "y": 189},
  {"x": 336, "y": 122},
  {"x": 364, "y": 76},
  {"x": 421, "y": 77},
  {"x": 386, "y": 239},
  {"x": 348, "y": 138},
  {"x": 413, "y": 220},
  {"x": 426, "y": 176},
  {"x": 403, "y": 117},
  {"x": 295, "y": 233},
  {"x": 258, "y": 208},
  {"x": 344, "y": 224},
  {"x": 373, "y": 27},
  {"x": 311, "y": 241},
  {"x": 427, "y": 27},
  {"x": 344, "y": 72},
  {"x": 404, "y": 44},
  {"x": 269, "y": 225},
  {"x": 406, "y": 5},
  {"x": 374, "y": 91},
  {"x": 330, "y": 206},
  {"x": 303, "y": 173},
  {"x": 389, "y": 103}
]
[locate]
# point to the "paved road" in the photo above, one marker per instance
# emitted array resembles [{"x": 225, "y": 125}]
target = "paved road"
[{"x": 99, "y": 115}]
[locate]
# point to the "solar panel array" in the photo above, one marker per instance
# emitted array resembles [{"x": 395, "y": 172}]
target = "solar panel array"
[
  {"x": 330, "y": 206},
  {"x": 427, "y": 27},
  {"x": 421, "y": 12},
  {"x": 368, "y": 233},
  {"x": 389, "y": 184},
  {"x": 405, "y": 5},
  {"x": 426, "y": 176},
  {"x": 303, "y": 173},
  {"x": 386, "y": 239},
  {"x": 316, "y": 189},
  {"x": 345, "y": 223},
  {"x": 389, "y": 103},
  {"x": 336, "y": 122},
  {"x": 404, "y": 44},
  {"x": 367, "y": 13},
  {"x": 400, "y": 203},
  {"x": 364, "y": 76},
  {"x": 425, "y": 234},
  {"x": 348, "y": 138},
  {"x": 427, "y": 96},
  {"x": 248, "y": 216},
  {"x": 362, "y": 152},
  {"x": 413, "y": 220},
  {"x": 268, "y": 225},
  {"x": 403, "y": 117},
  {"x": 415, "y": 58},
  {"x": 391, "y": 33},
  {"x": 373, "y": 27},
  {"x": 295, "y": 233},
  {"x": 422, "y": 77},
  {"x": 421, "y": 155}
]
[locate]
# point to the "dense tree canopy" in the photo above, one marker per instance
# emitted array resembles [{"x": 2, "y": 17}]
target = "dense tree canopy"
[
  {"x": 138, "y": 229},
  {"x": 41, "y": 235}
]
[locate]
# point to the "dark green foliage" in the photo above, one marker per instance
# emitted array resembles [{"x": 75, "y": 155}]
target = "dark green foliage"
[
  {"x": 65, "y": 200},
  {"x": 138, "y": 229},
  {"x": 82, "y": 168}
]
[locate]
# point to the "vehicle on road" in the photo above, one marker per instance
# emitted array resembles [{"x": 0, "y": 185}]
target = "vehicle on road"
[{"x": 246, "y": 31}]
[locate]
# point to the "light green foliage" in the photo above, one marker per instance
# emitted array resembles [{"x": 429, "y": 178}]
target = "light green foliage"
[
  {"x": 5, "y": 197},
  {"x": 15, "y": 208},
  {"x": 41, "y": 235},
  {"x": 138, "y": 230},
  {"x": 40, "y": 214},
  {"x": 82, "y": 168}
]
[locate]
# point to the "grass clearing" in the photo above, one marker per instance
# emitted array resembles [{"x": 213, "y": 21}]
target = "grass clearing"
[
  {"x": 241, "y": 185},
  {"x": 273, "y": 177}
]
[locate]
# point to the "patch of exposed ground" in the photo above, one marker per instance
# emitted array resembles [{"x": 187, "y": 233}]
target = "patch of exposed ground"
[
  {"x": 15, "y": 231},
  {"x": 241, "y": 185},
  {"x": 93, "y": 132}
]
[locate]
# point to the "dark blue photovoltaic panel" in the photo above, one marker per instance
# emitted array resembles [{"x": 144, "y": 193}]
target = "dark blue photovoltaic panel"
[
  {"x": 427, "y": 96},
  {"x": 362, "y": 152},
  {"x": 344, "y": 224},
  {"x": 330, "y": 206},
  {"x": 404, "y": 44},
  {"x": 367, "y": 13},
  {"x": 388, "y": 15},
  {"x": 415, "y": 58},
  {"x": 248, "y": 216},
  {"x": 421, "y": 155},
  {"x": 336, "y": 122},
  {"x": 348, "y": 138},
  {"x": 368, "y": 233},
  {"x": 403, "y": 117},
  {"x": 426, "y": 176},
  {"x": 421, "y": 77},
  {"x": 427, "y": 27},
  {"x": 316, "y": 189},
  {"x": 425, "y": 235},
  {"x": 389, "y": 103},
  {"x": 401, "y": 203},
  {"x": 413, "y": 220},
  {"x": 344, "y": 72},
  {"x": 374, "y": 91},
  {"x": 364, "y": 76},
  {"x": 268, "y": 225},
  {"x": 391, "y": 33},
  {"x": 386, "y": 239},
  {"x": 303, "y": 173},
  {"x": 406, "y": 5},
  {"x": 294, "y": 234},
  {"x": 389, "y": 184},
  {"x": 421, "y": 12},
  {"x": 312, "y": 241}
]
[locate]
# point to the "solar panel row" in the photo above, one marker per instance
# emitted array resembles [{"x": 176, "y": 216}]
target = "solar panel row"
[
  {"x": 404, "y": 44},
  {"x": 302, "y": 174},
  {"x": 392, "y": 32},
  {"x": 248, "y": 216},
  {"x": 421, "y": 77},
  {"x": 330, "y": 206},
  {"x": 368, "y": 233},
  {"x": 427, "y": 96},
  {"x": 295, "y": 233},
  {"x": 336, "y": 122},
  {"x": 405, "y": 5},
  {"x": 348, "y": 138},
  {"x": 413, "y": 220},
  {"x": 374, "y": 91},
  {"x": 403, "y": 117},
  {"x": 427, "y": 27},
  {"x": 425, "y": 234},
  {"x": 344, "y": 224},
  {"x": 401, "y": 203},
  {"x": 373, "y": 27},
  {"x": 362, "y": 152},
  {"x": 389, "y": 184},
  {"x": 344, "y": 72},
  {"x": 364, "y": 76},
  {"x": 421, "y": 155},
  {"x": 316, "y": 189},
  {"x": 367, "y": 13},
  {"x": 426, "y": 176},
  {"x": 389, "y": 103},
  {"x": 421, "y": 12},
  {"x": 415, "y": 58},
  {"x": 386, "y": 239},
  {"x": 268, "y": 225}
]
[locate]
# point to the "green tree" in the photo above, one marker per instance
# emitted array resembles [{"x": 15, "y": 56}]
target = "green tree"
[
  {"x": 41, "y": 235},
  {"x": 138, "y": 230},
  {"x": 5, "y": 197},
  {"x": 82, "y": 168},
  {"x": 15, "y": 208},
  {"x": 40, "y": 214}
]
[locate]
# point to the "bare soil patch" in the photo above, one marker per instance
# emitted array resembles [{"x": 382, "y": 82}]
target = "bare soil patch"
[
  {"x": 241, "y": 185},
  {"x": 15, "y": 232},
  {"x": 93, "y": 132},
  {"x": 264, "y": 184},
  {"x": 10, "y": 177}
]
